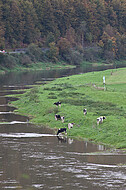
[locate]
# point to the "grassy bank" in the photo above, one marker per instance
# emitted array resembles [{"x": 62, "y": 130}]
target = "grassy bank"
[
  {"x": 10, "y": 65},
  {"x": 76, "y": 93},
  {"x": 36, "y": 66}
]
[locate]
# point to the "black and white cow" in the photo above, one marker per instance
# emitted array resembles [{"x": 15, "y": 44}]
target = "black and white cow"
[
  {"x": 57, "y": 104},
  {"x": 85, "y": 111},
  {"x": 70, "y": 125},
  {"x": 58, "y": 117},
  {"x": 61, "y": 130},
  {"x": 100, "y": 119}
]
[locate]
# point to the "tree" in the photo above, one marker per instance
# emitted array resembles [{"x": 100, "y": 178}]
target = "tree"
[
  {"x": 53, "y": 52},
  {"x": 121, "y": 45},
  {"x": 31, "y": 32},
  {"x": 50, "y": 38},
  {"x": 16, "y": 23},
  {"x": 46, "y": 20},
  {"x": 82, "y": 30},
  {"x": 108, "y": 43},
  {"x": 2, "y": 29},
  {"x": 64, "y": 47},
  {"x": 71, "y": 36}
]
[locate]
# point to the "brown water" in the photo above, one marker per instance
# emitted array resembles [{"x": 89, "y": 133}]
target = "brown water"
[{"x": 32, "y": 157}]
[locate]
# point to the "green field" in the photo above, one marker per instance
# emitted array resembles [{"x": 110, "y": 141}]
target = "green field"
[{"x": 76, "y": 93}]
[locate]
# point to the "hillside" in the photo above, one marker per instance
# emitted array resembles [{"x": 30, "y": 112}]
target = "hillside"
[{"x": 87, "y": 29}]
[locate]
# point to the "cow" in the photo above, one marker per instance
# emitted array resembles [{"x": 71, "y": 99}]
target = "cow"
[
  {"x": 57, "y": 104},
  {"x": 58, "y": 117},
  {"x": 70, "y": 125},
  {"x": 61, "y": 130},
  {"x": 100, "y": 119},
  {"x": 85, "y": 111}
]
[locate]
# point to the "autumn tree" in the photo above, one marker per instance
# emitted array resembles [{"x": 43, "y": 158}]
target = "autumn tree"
[
  {"x": 108, "y": 42},
  {"x": 121, "y": 44},
  {"x": 64, "y": 47},
  {"x": 71, "y": 36}
]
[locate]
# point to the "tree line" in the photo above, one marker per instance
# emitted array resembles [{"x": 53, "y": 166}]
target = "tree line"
[{"x": 73, "y": 30}]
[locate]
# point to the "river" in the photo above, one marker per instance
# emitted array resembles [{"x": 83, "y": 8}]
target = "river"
[{"x": 33, "y": 158}]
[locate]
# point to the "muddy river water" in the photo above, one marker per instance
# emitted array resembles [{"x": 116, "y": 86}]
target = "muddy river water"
[{"x": 32, "y": 157}]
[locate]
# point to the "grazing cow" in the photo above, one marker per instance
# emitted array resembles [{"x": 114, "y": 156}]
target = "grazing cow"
[
  {"x": 70, "y": 125},
  {"x": 61, "y": 130},
  {"x": 58, "y": 117},
  {"x": 58, "y": 104},
  {"x": 100, "y": 119},
  {"x": 62, "y": 118},
  {"x": 85, "y": 111}
]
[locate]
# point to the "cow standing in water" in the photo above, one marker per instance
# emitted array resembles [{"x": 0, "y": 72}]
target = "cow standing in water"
[{"x": 61, "y": 130}]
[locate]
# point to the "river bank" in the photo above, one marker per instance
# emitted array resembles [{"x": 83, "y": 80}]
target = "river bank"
[
  {"x": 76, "y": 93},
  {"x": 59, "y": 65},
  {"x": 37, "y": 66}
]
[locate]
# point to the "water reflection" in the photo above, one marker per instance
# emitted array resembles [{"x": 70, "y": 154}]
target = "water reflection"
[
  {"x": 27, "y": 78},
  {"x": 10, "y": 116},
  {"x": 29, "y": 162},
  {"x": 5, "y": 100},
  {"x": 62, "y": 139},
  {"x": 6, "y": 108}
]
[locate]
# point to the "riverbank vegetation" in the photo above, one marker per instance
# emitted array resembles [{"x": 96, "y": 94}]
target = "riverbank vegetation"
[
  {"x": 35, "y": 58},
  {"x": 76, "y": 93},
  {"x": 32, "y": 59},
  {"x": 60, "y": 30}
]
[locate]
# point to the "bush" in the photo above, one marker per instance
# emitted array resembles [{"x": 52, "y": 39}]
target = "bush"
[
  {"x": 32, "y": 95},
  {"x": 53, "y": 52},
  {"x": 76, "y": 57},
  {"x": 7, "y": 61},
  {"x": 25, "y": 60},
  {"x": 35, "y": 53},
  {"x": 92, "y": 54}
]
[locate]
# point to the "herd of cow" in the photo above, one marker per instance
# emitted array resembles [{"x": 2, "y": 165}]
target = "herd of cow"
[{"x": 70, "y": 125}]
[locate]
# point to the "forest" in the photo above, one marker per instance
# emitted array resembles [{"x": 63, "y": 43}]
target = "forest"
[{"x": 70, "y": 30}]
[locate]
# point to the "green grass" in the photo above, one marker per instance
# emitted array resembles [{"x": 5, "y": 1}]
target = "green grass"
[{"x": 76, "y": 93}]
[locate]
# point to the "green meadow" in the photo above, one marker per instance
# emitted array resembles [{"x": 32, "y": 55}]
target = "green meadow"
[{"x": 76, "y": 93}]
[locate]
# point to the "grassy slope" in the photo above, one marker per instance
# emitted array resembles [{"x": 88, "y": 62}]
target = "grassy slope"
[
  {"x": 50, "y": 65},
  {"x": 75, "y": 93},
  {"x": 36, "y": 66}
]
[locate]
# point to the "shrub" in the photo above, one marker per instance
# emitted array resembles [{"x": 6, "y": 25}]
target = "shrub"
[
  {"x": 92, "y": 53},
  {"x": 7, "y": 61},
  {"x": 35, "y": 53},
  {"x": 76, "y": 57},
  {"x": 53, "y": 52},
  {"x": 32, "y": 95},
  {"x": 25, "y": 60}
]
